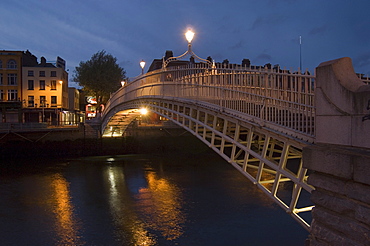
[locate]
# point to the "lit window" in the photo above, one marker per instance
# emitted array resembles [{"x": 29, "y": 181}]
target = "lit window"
[
  {"x": 12, "y": 64},
  {"x": 42, "y": 84},
  {"x": 53, "y": 101},
  {"x": 12, "y": 95},
  {"x": 30, "y": 84},
  {"x": 31, "y": 101},
  {"x": 53, "y": 85},
  {"x": 42, "y": 101},
  {"x": 12, "y": 79}
]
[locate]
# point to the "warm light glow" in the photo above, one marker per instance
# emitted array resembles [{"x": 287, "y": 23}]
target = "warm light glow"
[
  {"x": 60, "y": 81},
  {"x": 165, "y": 202},
  {"x": 66, "y": 226},
  {"x": 189, "y": 36},
  {"x": 122, "y": 83},
  {"x": 142, "y": 64},
  {"x": 143, "y": 111}
]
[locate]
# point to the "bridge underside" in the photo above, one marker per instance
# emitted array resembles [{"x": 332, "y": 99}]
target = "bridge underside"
[
  {"x": 119, "y": 122},
  {"x": 271, "y": 160}
]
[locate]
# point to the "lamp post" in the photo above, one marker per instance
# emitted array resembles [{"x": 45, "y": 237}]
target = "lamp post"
[
  {"x": 142, "y": 65},
  {"x": 189, "y": 35}
]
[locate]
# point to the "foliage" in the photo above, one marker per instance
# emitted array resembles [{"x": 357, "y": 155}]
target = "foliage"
[{"x": 100, "y": 76}]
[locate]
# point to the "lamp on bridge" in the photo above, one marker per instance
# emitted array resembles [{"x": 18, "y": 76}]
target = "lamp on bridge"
[
  {"x": 142, "y": 65},
  {"x": 189, "y": 35}
]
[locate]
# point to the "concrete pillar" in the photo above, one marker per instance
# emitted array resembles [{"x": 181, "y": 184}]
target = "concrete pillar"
[{"x": 340, "y": 158}]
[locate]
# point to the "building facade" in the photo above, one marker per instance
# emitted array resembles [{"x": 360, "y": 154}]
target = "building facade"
[
  {"x": 32, "y": 91},
  {"x": 10, "y": 85},
  {"x": 76, "y": 115},
  {"x": 45, "y": 92}
]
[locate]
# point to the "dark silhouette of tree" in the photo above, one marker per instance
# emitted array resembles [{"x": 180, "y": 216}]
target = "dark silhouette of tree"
[{"x": 100, "y": 76}]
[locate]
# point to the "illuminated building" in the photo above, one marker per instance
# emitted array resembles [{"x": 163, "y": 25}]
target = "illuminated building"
[
  {"x": 10, "y": 86},
  {"x": 45, "y": 90}
]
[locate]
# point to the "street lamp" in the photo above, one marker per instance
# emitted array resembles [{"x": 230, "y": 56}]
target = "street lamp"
[
  {"x": 142, "y": 65},
  {"x": 189, "y": 35}
]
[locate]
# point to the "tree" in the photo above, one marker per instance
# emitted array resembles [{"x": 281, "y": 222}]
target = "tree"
[{"x": 100, "y": 76}]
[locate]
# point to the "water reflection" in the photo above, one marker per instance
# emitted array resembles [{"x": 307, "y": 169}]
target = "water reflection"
[
  {"x": 156, "y": 206},
  {"x": 161, "y": 204},
  {"x": 60, "y": 200},
  {"x": 139, "y": 200},
  {"x": 130, "y": 228}
]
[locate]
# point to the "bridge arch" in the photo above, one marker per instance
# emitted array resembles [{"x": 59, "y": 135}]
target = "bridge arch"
[{"x": 258, "y": 120}]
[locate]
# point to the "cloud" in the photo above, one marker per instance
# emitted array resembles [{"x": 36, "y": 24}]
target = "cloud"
[
  {"x": 362, "y": 61},
  {"x": 237, "y": 45},
  {"x": 318, "y": 30},
  {"x": 263, "y": 21},
  {"x": 262, "y": 58}
]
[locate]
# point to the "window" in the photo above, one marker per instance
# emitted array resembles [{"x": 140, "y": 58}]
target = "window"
[
  {"x": 42, "y": 84},
  {"x": 53, "y": 101},
  {"x": 53, "y": 73},
  {"x": 30, "y": 85},
  {"x": 12, "y": 95},
  {"x": 42, "y": 101},
  {"x": 1, "y": 79},
  {"x": 1, "y": 95},
  {"x": 53, "y": 85},
  {"x": 12, "y": 79},
  {"x": 1, "y": 64},
  {"x": 12, "y": 64},
  {"x": 30, "y": 73},
  {"x": 41, "y": 73},
  {"x": 31, "y": 101}
]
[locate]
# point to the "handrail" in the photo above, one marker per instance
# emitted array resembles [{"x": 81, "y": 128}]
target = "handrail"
[{"x": 275, "y": 96}]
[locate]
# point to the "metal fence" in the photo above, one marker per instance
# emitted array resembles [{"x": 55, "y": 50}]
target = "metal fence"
[{"x": 278, "y": 98}]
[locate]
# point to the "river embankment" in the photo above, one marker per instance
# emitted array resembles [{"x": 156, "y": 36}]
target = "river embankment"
[{"x": 146, "y": 139}]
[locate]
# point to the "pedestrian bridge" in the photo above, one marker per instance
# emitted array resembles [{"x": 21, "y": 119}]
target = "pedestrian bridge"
[{"x": 258, "y": 119}]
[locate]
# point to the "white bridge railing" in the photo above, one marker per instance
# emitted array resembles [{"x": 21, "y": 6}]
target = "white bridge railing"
[{"x": 279, "y": 99}]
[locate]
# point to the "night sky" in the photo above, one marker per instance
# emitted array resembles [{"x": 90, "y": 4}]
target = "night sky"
[{"x": 264, "y": 31}]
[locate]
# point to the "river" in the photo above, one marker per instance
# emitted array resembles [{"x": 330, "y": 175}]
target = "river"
[{"x": 137, "y": 199}]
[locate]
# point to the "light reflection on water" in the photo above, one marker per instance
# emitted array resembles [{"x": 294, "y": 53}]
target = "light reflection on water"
[
  {"x": 125, "y": 221},
  {"x": 161, "y": 205},
  {"x": 66, "y": 226},
  {"x": 136, "y": 200},
  {"x": 38, "y": 209}
]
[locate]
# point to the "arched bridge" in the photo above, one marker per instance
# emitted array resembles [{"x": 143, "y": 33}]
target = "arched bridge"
[{"x": 259, "y": 120}]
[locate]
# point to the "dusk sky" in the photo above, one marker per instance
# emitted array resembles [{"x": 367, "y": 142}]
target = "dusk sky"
[{"x": 264, "y": 31}]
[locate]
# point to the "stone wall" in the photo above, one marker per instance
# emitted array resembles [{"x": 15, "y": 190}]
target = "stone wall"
[
  {"x": 342, "y": 194},
  {"x": 340, "y": 158}
]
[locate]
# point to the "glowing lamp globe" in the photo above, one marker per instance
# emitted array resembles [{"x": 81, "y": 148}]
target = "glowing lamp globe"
[{"x": 189, "y": 35}]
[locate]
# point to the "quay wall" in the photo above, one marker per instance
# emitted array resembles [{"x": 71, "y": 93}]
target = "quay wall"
[
  {"x": 340, "y": 158},
  {"x": 80, "y": 142}
]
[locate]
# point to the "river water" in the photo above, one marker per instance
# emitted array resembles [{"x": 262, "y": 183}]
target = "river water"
[{"x": 193, "y": 199}]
